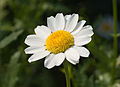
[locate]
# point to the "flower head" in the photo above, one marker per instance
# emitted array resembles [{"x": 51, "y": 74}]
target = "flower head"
[
  {"x": 104, "y": 27},
  {"x": 62, "y": 38}
]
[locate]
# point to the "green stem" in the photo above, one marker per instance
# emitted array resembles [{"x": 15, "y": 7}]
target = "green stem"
[
  {"x": 67, "y": 76},
  {"x": 114, "y": 40}
]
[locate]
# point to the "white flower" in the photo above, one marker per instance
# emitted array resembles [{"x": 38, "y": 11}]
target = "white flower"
[
  {"x": 104, "y": 27},
  {"x": 62, "y": 38}
]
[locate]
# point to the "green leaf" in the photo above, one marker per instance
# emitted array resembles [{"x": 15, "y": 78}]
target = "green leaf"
[
  {"x": 12, "y": 70},
  {"x": 7, "y": 40}
]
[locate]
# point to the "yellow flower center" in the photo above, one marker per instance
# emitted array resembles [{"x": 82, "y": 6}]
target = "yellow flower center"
[
  {"x": 106, "y": 27},
  {"x": 59, "y": 41}
]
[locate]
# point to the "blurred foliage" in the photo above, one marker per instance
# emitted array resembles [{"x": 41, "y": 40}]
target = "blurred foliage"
[
  {"x": 10, "y": 38},
  {"x": 18, "y": 18},
  {"x": 12, "y": 70}
]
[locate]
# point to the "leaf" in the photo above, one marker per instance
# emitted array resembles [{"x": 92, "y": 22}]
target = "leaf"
[
  {"x": 7, "y": 40},
  {"x": 12, "y": 70}
]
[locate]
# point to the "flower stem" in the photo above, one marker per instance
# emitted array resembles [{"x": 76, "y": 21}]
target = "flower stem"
[
  {"x": 67, "y": 74},
  {"x": 114, "y": 40}
]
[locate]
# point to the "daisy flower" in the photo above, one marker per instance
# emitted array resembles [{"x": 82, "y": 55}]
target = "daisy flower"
[
  {"x": 104, "y": 27},
  {"x": 62, "y": 38}
]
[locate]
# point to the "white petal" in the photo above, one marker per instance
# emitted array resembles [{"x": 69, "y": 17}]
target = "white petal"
[
  {"x": 42, "y": 31},
  {"x": 84, "y": 33},
  {"x": 33, "y": 40},
  {"x": 67, "y": 17},
  {"x": 88, "y": 27},
  {"x": 72, "y": 55},
  {"x": 60, "y": 21},
  {"x": 78, "y": 27},
  {"x": 83, "y": 51},
  {"x": 82, "y": 41},
  {"x": 49, "y": 61},
  {"x": 51, "y": 23},
  {"x": 38, "y": 56},
  {"x": 59, "y": 58},
  {"x": 31, "y": 50},
  {"x": 71, "y": 23}
]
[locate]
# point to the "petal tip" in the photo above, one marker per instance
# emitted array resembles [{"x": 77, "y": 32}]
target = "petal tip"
[
  {"x": 59, "y": 14},
  {"x": 48, "y": 67},
  {"x": 48, "y": 18},
  {"x": 25, "y": 41},
  {"x": 29, "y": 61},
  {"x": 25, "y": 51},
  {"x": 84, "y": 21}
]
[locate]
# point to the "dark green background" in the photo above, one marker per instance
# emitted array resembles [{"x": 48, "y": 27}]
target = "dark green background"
[{"x": 18, "y": 18}]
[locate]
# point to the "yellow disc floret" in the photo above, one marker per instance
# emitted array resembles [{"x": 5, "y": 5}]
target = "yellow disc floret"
[
  {"x": 59, "y": 41},
  {"x": 107, "y": 27}
]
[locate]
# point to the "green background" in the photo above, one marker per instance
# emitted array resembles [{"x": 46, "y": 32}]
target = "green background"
[{"x": 18, "y": 18}]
